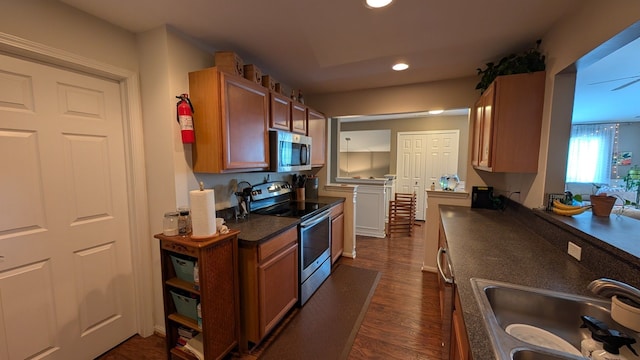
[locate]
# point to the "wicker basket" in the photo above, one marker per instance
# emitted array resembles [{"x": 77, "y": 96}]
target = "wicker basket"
[{"x": 602, "y": 204}]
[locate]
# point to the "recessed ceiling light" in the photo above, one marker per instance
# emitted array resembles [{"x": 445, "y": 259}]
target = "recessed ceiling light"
[
  {"x": 400, "y": 67},
  {"x": 374, "y": 4},
  {"x": 435, "y": 112}
]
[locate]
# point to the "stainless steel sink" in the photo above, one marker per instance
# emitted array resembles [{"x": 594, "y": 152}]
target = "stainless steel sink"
[
  {"x": 535, "y": 355},
  {"x": 503, "y": 304}
]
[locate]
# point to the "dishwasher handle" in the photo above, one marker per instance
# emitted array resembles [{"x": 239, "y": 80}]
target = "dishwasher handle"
[{"x": 448, "y": 280}]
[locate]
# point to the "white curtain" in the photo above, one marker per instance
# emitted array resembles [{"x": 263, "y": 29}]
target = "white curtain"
[{"x": 590, "y": 153}]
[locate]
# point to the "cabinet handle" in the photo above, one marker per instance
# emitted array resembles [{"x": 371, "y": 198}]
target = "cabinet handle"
[{"x": 444, "y": 277}]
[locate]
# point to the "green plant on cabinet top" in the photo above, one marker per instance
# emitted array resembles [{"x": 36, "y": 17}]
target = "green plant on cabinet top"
[{"x": 529, "y": 61}]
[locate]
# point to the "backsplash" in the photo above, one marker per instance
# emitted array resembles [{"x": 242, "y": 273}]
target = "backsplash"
[{"x": 225, "y": 185}]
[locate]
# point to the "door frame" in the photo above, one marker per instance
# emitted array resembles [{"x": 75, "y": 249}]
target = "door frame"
[{"x": 134, "y": 157}]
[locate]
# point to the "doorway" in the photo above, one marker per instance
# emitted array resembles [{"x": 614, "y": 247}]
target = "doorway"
[{"x": 422, "y": 157}]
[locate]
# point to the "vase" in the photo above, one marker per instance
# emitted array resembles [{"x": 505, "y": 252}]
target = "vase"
[{"x": 602, "y": 204}]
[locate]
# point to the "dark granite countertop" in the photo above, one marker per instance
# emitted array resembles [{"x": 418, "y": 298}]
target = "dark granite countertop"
[
  {"x": 256, "y": 228},
  {"x": 619, "y": 231},
  {"x": 497, "y": 245}
]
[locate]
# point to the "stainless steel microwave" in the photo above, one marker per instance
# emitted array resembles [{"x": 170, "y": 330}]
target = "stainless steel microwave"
[{"x": 289, "y": 151}]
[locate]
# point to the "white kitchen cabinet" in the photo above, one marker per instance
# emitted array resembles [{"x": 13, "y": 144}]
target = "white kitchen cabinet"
[
  {"x": 371, "y": 210},
  {"x": 371, "y": 205}
]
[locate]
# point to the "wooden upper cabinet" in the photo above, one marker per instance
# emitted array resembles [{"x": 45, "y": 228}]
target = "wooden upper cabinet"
[
  {"x": 477, "y": 131},
  {"x": 507, "y": 124},
  {"x": 231, "y": 121},
  {"x": 486, "y": 137},
  {"x": 298, "y": 118},
  {"x": 317, "y": 124},
  {"x": 280, "y": 112}
]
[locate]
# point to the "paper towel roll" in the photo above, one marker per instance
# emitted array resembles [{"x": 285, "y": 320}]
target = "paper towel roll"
[{"x": 203, "y": 213}]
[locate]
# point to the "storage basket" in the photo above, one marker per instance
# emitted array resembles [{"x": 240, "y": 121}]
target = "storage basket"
[
  {"x": 229, "y": 62},
  {"x": 185, "y": 306},
  {"x": 253, "y": 73},
  {"x": 601, "y": 205},
  {"x": 183, "y": 268},
  {"x": 269, "y": 82}
]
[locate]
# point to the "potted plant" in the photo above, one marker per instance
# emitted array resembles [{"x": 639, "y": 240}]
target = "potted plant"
[
  {"x": 601, "y": 204},
  {"x": 531, "y": 60},
  {"x": 632, "y": 182}
]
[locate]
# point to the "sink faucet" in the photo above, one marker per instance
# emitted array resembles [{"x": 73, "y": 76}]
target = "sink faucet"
[{"x": 608, "y": 288}]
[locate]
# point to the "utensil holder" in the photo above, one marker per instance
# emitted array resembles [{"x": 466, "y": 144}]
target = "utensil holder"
[{"x": 300, "y": 194}]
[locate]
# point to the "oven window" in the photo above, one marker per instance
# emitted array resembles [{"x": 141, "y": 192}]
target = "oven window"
[{"x": 315, "y": 241}]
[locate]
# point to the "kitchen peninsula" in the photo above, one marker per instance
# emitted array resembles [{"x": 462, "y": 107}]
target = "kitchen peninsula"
[
  {"x": 525, "y": 247},
  {"x": 372, "y": 204}
]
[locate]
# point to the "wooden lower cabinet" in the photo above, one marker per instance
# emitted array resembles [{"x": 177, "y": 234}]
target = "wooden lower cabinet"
[
  {"x": 269, "y": 284},
  {"x": 337, "y": 232},
  {"x": 217, "y": 292},
  {"x": 460, "y": 349}
]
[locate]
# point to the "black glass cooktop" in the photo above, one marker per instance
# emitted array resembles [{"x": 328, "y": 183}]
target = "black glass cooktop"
[{"x": 297, "y": 209}]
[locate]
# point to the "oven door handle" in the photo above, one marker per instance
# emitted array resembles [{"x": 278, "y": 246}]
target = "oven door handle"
[
  {"x": 448, "y": 280},
  {"x": 315, "y": 220}
]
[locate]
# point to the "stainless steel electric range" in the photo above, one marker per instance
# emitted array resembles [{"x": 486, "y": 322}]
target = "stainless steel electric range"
[{"x": 314, "y": 231}]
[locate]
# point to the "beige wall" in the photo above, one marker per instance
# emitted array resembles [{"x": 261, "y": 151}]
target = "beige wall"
[
  {"x": 364, "y": 164},
  {"x": 165, "y": 61},
  {"x": 65, "y": 28}
]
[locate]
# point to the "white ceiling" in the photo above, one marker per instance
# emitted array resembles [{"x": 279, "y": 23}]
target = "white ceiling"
[{"x": 339, "y": 45}]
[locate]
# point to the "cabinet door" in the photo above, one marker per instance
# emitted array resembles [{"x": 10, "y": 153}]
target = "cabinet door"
[
  {"x": 477, "y": 133},
  {"x": 299, "y": 118},
  {"x": 337, "y": 237},
  {"x": 317, "y": 124},
  {"x": 245, "y": 109},
  {"x": 486, "y": 134},
  {"x": 280, "y": 112},
  {"x": 278, "y": 287},
  {"x": 460, "y": 349}
]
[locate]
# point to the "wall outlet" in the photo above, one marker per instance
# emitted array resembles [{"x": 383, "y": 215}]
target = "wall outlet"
[{"x": 574, "y": 250}]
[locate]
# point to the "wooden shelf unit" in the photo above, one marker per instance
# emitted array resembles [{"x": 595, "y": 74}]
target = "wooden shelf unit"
[{"x": 217, "y": 291}]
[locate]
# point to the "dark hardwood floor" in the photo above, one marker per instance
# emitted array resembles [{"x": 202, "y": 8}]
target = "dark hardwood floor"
[{"x": 403, "y": 318}]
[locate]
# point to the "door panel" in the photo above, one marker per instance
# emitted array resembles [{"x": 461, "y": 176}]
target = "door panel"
[
  {"x": 422, "y": 158},
  {"x": 65, "y": 259},
  {"x": 27, "y": 292}
]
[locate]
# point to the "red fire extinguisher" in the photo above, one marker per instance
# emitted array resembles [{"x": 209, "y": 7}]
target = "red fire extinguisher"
[{"x": 185, "y": 118}]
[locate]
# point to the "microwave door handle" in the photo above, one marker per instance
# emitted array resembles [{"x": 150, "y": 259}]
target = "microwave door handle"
[{"x": 304, "y": 154}]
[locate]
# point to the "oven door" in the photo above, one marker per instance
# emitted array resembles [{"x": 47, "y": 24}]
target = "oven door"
[{"x": 315, "y": 243}]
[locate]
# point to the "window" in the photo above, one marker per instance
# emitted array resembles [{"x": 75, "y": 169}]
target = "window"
[{"x": 590, "y": 152}]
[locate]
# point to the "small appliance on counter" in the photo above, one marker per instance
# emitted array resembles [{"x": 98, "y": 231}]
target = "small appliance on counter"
[
  {"x": 482, "y": 197},
  {"x": 311, "y": 187}
]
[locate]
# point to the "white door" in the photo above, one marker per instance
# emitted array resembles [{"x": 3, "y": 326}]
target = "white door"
[
  {"x": 442, "y": 156},
  {"x": 410, "y": 168},
  {"x": 422, "y": 158},
  {"x": 66, "y": 283}
]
